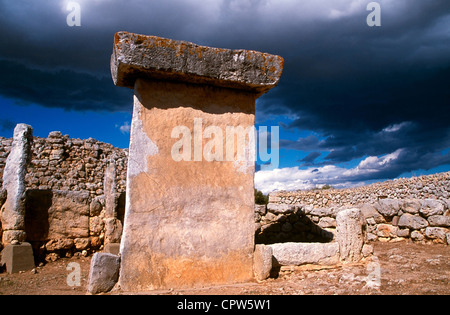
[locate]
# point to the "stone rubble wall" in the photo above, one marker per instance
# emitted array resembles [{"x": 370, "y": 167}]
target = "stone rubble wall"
[
  {"x": 61, "y": 163},
  {"x": 415, "y": 208},
  {"x": 436, "y": 186},
  {"x": 65, "y": 202}
]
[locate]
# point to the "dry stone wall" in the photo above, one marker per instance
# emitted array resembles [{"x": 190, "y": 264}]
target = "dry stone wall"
[
  {"x": 65, "y": 197},
  {"x": 416, "y": 208},
  {"x": 436, "y": 186},
  {"x": 61, "y": 163}
]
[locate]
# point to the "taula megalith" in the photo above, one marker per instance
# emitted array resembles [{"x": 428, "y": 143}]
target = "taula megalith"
[{"x": 189, "y": 208}]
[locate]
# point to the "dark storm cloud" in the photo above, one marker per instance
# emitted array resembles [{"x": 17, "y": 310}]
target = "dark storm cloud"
[{"x": 363, "y": 91}]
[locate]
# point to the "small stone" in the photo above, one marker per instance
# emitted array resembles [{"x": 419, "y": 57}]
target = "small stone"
[
  {"x": 262, "y": 262},
  {"x": 103, "y": 273}
]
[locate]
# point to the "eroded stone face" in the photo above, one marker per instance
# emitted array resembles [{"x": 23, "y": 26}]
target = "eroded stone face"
[
  {"x": 140, "y": 56},
  {"x": 13, "y": 210},
  {"x": 179, "y": 215},
  {"x": 190, "y": 200}
]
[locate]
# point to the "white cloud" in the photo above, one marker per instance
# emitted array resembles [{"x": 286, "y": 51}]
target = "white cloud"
[
  {"x": 396, "y": 127},
  {"x": 125, "y": 128},
  {"x": 293, "y": 178}
]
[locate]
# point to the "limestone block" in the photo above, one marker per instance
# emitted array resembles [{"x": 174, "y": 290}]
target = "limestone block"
[
  {"x": 296, "y": 254},
  {"x": 140, "y": 56},
  {"x": 260, "y": 209},
  {"x": 180, "y": 210},
  {"x": 103, "y": 272},
  {"x": 350, "y": 234},
  {"x": 262, "y": 262},
  {"x": 410, "y": 221},
  {"x": 179, "y": 214},
  {"x": 436, "y": 233},
  {"x": 411, "y": 206},
  {"x": 439, "y": 220},
  {"x": 18, "y": 257},
  {"x": 57, "y": 214},
  {"x": 389, "y": 207},
  {"x": 431, "y": 207},
  {"x": 109, "y": 186},
  {"x": 13, "y": 210},
  {"x": 113, "y": 230},
  {"x": 280, "y": 208}
]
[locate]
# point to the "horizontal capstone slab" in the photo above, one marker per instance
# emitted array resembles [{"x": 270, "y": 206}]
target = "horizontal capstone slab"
[{"x": 151, "y": 57}]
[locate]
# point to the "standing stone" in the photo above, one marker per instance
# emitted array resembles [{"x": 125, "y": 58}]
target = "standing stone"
[
  {"x": 13, "y": 210},
  {"x": 350, "y": 234},
  {"x": 113, "y": 226},
  {"x": 262, "y": 264},
  {"x": 103, "y": 273},
  {"x": 109, "y": 188},
  {"x": 189, "y": 218},
  {"x": 17, "y": 257}
]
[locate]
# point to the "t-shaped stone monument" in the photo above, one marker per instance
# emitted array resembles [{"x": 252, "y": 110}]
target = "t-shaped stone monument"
[{"x": 190, "y": 199}]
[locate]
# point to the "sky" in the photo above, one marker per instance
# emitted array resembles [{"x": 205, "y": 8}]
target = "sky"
[{"x": 355, "y": 104}]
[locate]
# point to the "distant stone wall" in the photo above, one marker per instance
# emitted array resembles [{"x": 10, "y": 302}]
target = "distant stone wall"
[
  {"x": 425, "y": 221},
  {"x": 65, "y": 211},
  {"x": 436, "y": 186},
  {"x": 61, "y": 163},
  {"x": 415, "y": 208}
]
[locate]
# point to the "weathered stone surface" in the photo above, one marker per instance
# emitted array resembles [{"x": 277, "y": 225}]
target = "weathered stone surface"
[
  {"x": 350, "y": 234},
  {"x": 57, "y": 214},
  {"x": 369, "y": 211},
  {"x": 180, "y": 214},
  {"x": 262, "y": 262},
  {"x": 296, "y": 254},
  {"x": 103, "y": 273},
  {"x": 411, "y": 206},
  {"x": 436, "y": 233},
  {"x": 18, "y": 257},
  {"x": 280, "y": 208},
  {"x": 14, "y": 235},
  {"x": 13, "y": 210},
  {"x": 327, "y": 222},
  {"x": 109, "y": 188},
  {"x": 431, "y": 207},
  {"x": 387, "y": 230},
  {"x": 439, "y": 220},
  {"x": 113, "y": 230},
  {"x": 412, "y": 221},
  {"x": 180, "y": 211},
  {"x": 389, "y": 207},
  {"x": 260, "y": 209},
  {"x": 96, "y": 206},
  {"x": 139, "y": 56}
]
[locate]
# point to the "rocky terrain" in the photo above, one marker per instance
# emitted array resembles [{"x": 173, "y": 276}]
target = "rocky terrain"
[{"x": 403, "y": 268}]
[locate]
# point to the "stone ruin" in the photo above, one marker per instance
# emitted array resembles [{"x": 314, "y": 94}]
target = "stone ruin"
[
  {"x": 188, "y": 222},
  {"x": 179, "y": 213}
]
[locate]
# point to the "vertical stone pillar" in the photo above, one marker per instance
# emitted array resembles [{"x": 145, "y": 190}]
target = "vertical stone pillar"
[
  {"x": 350, "y": 234},
  {"x": 113, "y": 226},
  {"x": 13, "y": 209},
  {"x": 17, "y": 255},
  {"x": 190, "y": 199}
]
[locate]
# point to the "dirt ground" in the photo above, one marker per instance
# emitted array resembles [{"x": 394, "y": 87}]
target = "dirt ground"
[{"x": 397, "y": 268}]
